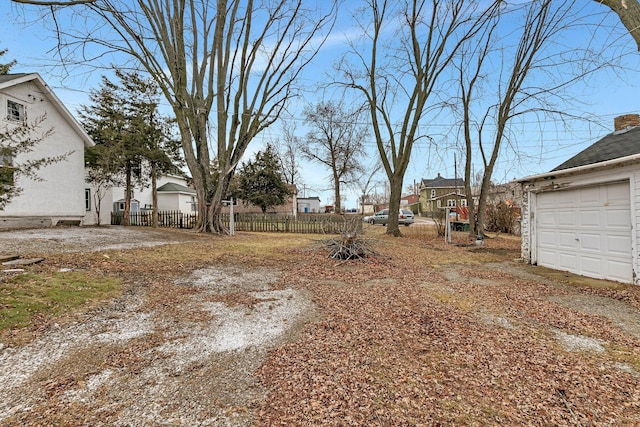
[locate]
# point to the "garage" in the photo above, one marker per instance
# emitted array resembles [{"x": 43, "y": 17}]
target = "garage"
[{"x": 586, "y": 231}]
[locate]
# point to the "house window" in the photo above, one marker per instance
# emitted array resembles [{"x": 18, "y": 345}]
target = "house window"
[
  {"x": 463, "y": 202},
  {"x": 433, "y": 193},
  {"x": 194, "y": 204},
  {"x": 87, "y": 199},
  {"x": 15, "y": 111},
  {"x": 438, "y": 203},
  {"x": 451, "y": 203}
]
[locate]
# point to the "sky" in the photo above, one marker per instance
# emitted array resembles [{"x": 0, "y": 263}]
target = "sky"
[{"x": 543, "y": 143}]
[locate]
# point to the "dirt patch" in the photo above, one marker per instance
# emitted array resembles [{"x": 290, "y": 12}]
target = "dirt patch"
[{"x": 129, "y": 363}]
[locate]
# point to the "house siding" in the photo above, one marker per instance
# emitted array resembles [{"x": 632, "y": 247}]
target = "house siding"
[
  {"x": 174, "y": 201},
  {"x": 635, "y": 214},
  {"x": 170, "y": 201},
  {"x": 60, "y": 193},
  {"x": 525, "y": 226}
]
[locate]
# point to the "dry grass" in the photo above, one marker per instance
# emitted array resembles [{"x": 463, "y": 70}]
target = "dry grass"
[{"x": 425, "y": 333}]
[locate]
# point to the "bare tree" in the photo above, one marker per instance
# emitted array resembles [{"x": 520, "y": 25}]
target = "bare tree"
[
  {"x": 409, "y": 45},
  {"x": 289, "y": 147},
  {"x": 513, "y": 89},
  {"x": 335, "y": 141},
  {"x": 365, "y": 182},
  {"x": 629, "y": 13},
  {"x": 226, "y": 67},
  {"x": 54, "y": 3}
]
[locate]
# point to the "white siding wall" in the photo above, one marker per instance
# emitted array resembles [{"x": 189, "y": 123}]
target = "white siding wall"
[
  {"x": 106, "y": 206},
  {"x": 185, "y": 204},
  {"x": 169, "y": 202},
  {"x": 61, "y": 193},
  {"x": 145, "y": 196}
]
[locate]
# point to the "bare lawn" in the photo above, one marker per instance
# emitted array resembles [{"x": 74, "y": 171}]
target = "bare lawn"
[{"x": 264, "y": 329}]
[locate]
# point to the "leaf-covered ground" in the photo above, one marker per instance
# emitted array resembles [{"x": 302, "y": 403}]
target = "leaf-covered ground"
[
  {"x": 422, "y": 334},
  {"x": 442, "y": 335}
]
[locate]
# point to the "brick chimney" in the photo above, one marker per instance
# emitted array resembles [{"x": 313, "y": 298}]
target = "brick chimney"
[{"x": 625, "y": 121}]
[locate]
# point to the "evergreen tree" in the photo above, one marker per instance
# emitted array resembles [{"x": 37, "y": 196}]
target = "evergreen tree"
[
  {"x": 128, "y": 130},
  {"x": 260, "y": 182},
  {"x": 153, "y": 131},
  {"x": 4, "y": 68},
  {"x": 115, "y": 156}
]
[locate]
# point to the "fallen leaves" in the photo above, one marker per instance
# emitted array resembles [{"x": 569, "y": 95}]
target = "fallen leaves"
[
  {"x": 396, "y": 352},
  {"x": 420, "y": 334}
]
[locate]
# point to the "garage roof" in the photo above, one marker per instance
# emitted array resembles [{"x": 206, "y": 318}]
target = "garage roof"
[
  {"x": 618, "y": 144},
  {"x": 173, "y": 187}
]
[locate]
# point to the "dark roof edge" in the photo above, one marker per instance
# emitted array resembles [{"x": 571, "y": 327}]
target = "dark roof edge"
[{"x": 593, "y": 166}]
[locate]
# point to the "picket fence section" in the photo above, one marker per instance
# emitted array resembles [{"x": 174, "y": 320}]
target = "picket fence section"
[
  {"x": 171, "y": 219},
  {"x": 273, "y": 223}
]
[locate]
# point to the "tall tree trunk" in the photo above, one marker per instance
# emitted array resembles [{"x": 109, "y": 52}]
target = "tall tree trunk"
[
  {"x": 336, "y": 194},
  {"x": 154, "y": 194},
  {"x": 394, "y": 206},
  {"x": 482, "y": 201},
  {"x": 468, "y": 191},
  {"x": 197, "y": 161},
  {"x": 126, "y": 219},
  {"x": 216, "y": 208}
]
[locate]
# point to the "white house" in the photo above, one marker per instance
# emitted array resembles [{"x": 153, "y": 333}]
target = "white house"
[
  {"x": 173, "y": 195},
  {"x": 584, "y": 215},
  {"x": 60, "y": 197}
]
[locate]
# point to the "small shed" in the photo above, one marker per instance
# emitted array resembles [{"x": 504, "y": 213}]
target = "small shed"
[
  {"x": 176, "y": 197},
  {"x": 308, "y": 204},
  {"x": 584, "y": 215}
]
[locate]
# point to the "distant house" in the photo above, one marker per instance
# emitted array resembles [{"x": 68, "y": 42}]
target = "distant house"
[
  {"x": 509, "y": 193},
  {"x": 584, "y": 215},
  {"x": 409, "y": 201},
  {"x": 288, "y": 208},
  {"x": 174, "y": 194},
  {"x": 61, "y": 197},
  {"x": 308, "y": 204},
  {"x": 439, "y": 193}
]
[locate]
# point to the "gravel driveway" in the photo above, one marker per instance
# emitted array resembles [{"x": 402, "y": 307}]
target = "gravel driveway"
[
  {"x": 191, "y": 365},
  {"x": 83, "y": 239}
]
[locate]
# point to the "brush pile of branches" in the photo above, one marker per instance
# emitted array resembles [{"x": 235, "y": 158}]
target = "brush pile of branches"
[{"x": 349, "y": 246}]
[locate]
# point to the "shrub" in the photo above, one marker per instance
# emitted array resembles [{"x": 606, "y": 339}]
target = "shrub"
[{"x": 500, "y": 218}]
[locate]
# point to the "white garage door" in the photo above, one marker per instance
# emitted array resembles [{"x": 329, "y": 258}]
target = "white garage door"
[{"x": 586, "y": 231}]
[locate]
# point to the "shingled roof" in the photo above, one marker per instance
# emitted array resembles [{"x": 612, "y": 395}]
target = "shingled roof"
[
  {"x": 9, "y": 77},
  {"x": 440, "y": 182},
  {"x": 621, "y": 143},
  {"x": 173, "y": 187}
]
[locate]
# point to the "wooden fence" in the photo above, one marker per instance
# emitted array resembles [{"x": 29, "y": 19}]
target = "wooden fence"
[
  {"x": 303, "y": 223},
  {"x": 172, "y": 219},
  {"x": 274, "y": 223}
]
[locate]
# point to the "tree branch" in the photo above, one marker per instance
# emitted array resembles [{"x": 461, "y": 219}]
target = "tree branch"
[
  {"x": 629, "y": 13},
  {"x": 54, "y": 3}
]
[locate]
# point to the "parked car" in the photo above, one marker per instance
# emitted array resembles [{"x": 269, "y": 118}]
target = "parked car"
[
  {"x": 405, "y": 217},
  {"x": 367, "y": 218}
]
